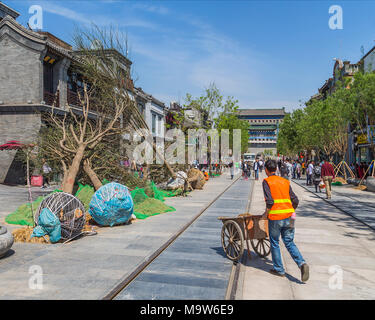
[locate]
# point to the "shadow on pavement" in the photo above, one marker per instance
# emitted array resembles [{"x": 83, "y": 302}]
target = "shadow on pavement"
[
  {"x": 317, "y": 210},
  {"x": 220, "y": 251},
  {"x": 8, "y": 254},
  {"x": 265, "y": 264}
]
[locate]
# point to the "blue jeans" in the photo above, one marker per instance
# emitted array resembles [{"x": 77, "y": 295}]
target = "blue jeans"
[
  {"x": 256, "y": 174},
  {"x": 283, "y": 227}
]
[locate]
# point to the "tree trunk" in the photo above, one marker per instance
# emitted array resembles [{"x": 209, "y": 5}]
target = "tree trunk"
[
  {"x": 146, "y": 172},
  {"x": 92, "y": 175},
  {"x": 174, "y": 176},
  {"x": 73, "y": 170}
]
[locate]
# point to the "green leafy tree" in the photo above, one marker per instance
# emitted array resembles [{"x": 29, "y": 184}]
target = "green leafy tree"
[{"x": 228, "y": 119}]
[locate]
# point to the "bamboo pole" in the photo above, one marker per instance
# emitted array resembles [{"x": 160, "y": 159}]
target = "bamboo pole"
[
  {"x": 350, "y": 170},
  {"x": 28, "y": 183},
  {"x": 364, "y": 176}
]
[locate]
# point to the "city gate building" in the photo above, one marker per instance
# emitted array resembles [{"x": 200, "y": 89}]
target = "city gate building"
[{"x": 264, "y": 128}]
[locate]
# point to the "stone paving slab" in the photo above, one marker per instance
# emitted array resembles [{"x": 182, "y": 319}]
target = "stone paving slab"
[
  {"x": 11, "y": 197},
  {"x": 326, "y": 238},
  {"x": 196, "y": 259},
  {"x": 89, "y": 267},
  {"x": 357, "y": 203}
]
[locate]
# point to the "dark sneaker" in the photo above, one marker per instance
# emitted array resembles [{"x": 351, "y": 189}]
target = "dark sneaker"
[
  {"x": 304, "y": 272},
  {"x": 276, "y": 273}
]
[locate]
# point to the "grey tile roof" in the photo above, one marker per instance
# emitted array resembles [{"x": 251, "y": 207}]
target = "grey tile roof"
[{"x": 262, "y": 112}]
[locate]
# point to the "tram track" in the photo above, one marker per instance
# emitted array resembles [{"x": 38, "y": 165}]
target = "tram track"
[
  {"x": 339, "y": 208},
  {"x": 236, "y": 268},
  {"x": 128, "y": 279}
]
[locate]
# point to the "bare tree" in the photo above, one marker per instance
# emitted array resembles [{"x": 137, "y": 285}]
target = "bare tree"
[{"x": 105, "y": 107}]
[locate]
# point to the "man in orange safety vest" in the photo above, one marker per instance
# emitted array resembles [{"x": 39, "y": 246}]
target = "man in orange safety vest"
[{"x": 281, "y": 203}]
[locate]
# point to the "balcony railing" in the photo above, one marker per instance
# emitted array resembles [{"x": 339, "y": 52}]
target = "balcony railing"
[
  {"x": 72, "y": 98},
  {"x": 51, "y": 98}
]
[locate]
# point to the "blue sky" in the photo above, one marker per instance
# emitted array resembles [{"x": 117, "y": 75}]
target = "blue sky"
[{"x": 267, "y": 54}]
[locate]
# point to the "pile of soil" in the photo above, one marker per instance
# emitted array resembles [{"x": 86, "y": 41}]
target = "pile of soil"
[
  {"x": 90, "y": 224},
  {"x": 340, "y": 179},
  {"x": 361, "y": 187},
  {"x": 23, "y": 235}
]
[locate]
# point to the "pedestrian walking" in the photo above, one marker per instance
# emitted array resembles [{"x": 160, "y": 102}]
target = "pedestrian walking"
[
  {"x": 260, "y": 165},
  {"x": 298, "y": 170},
  {"x": 290, "y": 169},
  {"x": 248, "y": 169},
  {"x": 284, "y": 170},
  {"x": 294, "y": 165},
  {"x": 303, "y": 167},
  {"x": 328, "y": 174},
  {"x": 244, "y": 170},
  {"x": 317, "y": 177},
  {"x": 256, "y": 169},
  {"x": 46, "y": 174},
  {"x": 309, "y": 173},
  {"x": 281, "y": 203},
  {"x": 231, "y": 168}
]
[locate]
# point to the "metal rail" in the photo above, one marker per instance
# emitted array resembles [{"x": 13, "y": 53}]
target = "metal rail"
[
  {"x": 132, "y": 276},
  {"x": 343, "y": 211},
  {"x": 236, "y": 268}
]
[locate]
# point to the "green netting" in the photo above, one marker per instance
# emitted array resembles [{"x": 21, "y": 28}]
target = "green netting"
[
  {"x": 161, "y": 194},
  {"x": 138, "y": 195},
  {"x": 84, "y": 194},
  {"x": 149, "y": 201},
  {"x": 151, "y": 207},
  {"x": 215, "y": 174},
  {"x": 23, "y": 215}
]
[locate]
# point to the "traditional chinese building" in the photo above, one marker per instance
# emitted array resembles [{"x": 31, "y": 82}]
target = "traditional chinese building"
[
  {"x": 264, "y": 128},
  {"x": 36, "y": 70}
]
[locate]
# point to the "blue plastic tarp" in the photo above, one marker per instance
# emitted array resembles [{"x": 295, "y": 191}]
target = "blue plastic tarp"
[
  {"x": 49, "y": 224},
  {"x": 112, "y": 204}
]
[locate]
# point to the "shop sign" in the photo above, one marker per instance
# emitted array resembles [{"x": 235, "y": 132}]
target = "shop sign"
[{"x": 362, "y": 139}]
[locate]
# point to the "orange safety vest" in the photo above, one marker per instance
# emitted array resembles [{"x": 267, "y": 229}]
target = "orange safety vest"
[
  {"x": 205, "y": 175},
  {"x": 282, "y": 207}
]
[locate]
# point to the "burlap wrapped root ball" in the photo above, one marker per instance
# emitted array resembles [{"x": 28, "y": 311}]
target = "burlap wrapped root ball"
[{"x": 196, "y": 178}]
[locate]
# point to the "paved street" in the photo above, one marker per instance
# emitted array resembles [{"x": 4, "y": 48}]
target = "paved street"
[
  {"x": 326, "y": 238},
  {"x": 194, "y": 266},
  {"x": 357, "y": 203},
  {"x": 11, "y": 197},
  {"x": 91, "y": 266}
]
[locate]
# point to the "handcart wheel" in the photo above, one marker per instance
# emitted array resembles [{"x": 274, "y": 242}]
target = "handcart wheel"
[
  {"x": 261, "y": 246},
  {"x": 232, "y": 240}
]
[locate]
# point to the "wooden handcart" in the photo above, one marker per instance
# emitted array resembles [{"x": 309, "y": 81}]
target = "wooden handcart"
[{"x": 245, "y": 227}]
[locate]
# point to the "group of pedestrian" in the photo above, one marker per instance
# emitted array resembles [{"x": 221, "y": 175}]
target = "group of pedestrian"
[
  {"x": 317, "y": 174},
  {"x": 362, "y": 169},
  {"x": 320, "y": 174}
]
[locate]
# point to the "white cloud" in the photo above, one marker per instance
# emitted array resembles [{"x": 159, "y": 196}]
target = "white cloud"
[
  {"x": 187, "y": 58},
  {"x": 151, "y": 8},
  {"x": 65, "y": 12},
  {"x": 101, "y": 20}
]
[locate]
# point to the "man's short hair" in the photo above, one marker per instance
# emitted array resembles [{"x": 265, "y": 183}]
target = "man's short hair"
[{"x": 271, "y": 165}]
